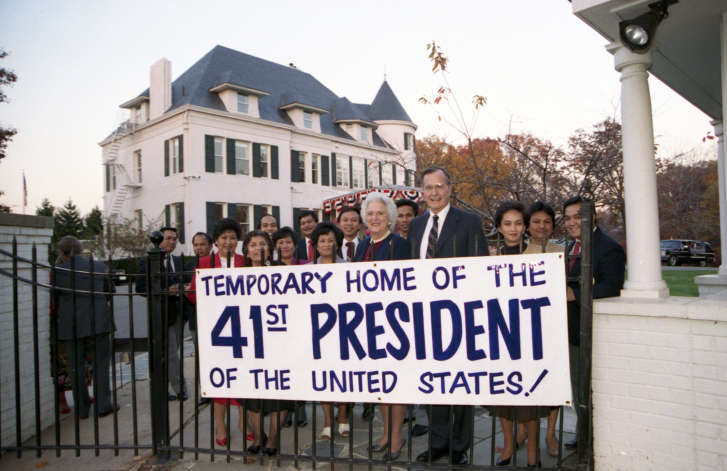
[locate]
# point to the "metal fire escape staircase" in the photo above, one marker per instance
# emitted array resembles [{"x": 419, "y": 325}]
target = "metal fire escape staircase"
[{"x": 121, "y": 172}]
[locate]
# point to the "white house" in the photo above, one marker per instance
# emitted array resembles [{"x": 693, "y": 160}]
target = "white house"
[{"x": 238, "y": 136}]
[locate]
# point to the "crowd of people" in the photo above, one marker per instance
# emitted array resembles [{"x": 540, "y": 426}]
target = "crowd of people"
[{"x": 393, "y": 231}]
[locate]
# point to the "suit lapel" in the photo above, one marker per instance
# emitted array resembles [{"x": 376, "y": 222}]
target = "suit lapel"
[{"x": 448, "y": 230}]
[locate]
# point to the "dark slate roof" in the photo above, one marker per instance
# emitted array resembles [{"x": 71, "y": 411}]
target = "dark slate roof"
[
  {"x": 387, "y": 107},
  {"x": 285, "y": 85}
]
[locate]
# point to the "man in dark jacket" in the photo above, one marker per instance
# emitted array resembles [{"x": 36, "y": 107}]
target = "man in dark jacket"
[
  {"x": 172, "y": 281},
  {"x": 441, "y": 232},
  {"x": 609, "y": 261},
  {"x": 77, "y": 273}
]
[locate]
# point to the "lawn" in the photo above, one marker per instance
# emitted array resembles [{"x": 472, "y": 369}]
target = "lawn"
[{"x": 681, "y": 282}]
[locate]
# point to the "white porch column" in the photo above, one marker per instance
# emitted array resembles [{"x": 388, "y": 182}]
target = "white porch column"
[
  {"x": 642, "y": 214},
  {"x": 721, "y": 169}
]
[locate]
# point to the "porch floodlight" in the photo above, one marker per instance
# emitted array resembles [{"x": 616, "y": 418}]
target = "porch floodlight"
[{"x": 637, "y": 34}]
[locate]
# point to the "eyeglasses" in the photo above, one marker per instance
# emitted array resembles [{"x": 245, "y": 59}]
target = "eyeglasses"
[{"x": 438, "y": 187}]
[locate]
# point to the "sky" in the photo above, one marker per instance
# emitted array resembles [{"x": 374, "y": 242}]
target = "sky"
[{"x": 541, "y": 69}]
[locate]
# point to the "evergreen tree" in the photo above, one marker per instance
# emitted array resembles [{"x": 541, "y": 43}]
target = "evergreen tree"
[
  {"x": 68, "y": 222},
  {"x": 45, "y": 209},
  {"x": 93, "y": 224}
]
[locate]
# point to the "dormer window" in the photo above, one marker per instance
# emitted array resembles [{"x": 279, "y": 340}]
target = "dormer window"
[
  {"x": 242, "y": 103},
  {"x": 307, "y": 120},
  {"x": 364, "y": 134}
]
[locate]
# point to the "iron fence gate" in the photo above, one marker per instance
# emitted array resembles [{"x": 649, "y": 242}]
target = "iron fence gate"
[{"x": 152, "y": 420}]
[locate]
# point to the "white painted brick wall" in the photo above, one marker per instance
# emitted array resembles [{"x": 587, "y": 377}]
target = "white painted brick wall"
[
  {"x": 660, "y": 385},
  {"x": 26, "y": 237}
]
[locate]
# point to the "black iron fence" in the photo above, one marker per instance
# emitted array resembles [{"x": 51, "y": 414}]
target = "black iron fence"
[{"x": 155, "y": 421}]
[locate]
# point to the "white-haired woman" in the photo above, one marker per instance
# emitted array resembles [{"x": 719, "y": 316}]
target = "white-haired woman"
[{"x": 379, "y": 213}]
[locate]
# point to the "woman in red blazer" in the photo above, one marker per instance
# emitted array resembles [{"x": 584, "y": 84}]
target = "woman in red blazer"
[{"x": 226, "y": 235}]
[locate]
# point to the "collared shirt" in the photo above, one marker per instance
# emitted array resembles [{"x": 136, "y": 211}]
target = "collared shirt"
[
  {"x": 344, "y": 249},
  {"x": 425, "y": 236},
  {"x": 169, "y": 262}
]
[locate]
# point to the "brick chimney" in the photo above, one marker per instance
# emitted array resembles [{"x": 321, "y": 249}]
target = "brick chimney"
[{"x": 160, "y": 88}]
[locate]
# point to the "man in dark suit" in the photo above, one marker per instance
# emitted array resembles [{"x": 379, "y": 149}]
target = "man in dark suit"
[
  {"x": 172, "y": 281},
  {"x": 442, "y": 232},
  {"x": 608, "y": 278},
  {"x": 95, "y": 342},
  {"x": 307, "y": 221},
  {"x": 349, "y": 220}
]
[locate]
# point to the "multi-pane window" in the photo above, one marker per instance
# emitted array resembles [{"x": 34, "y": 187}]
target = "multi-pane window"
[
  {"x": 300, "y": 164},
  {"x": 314, "y": 168},
  {"x": 264, "y": 161},
  {"x": 364, "y": 133},
  {"x": 242, "y": 216},
  {"x": 174, "y": 154},
  {"x": 373, "y": 174},
  {"x": 242, "y": 158},
  {"x": 139, "y": 217},
  {"x": 242, "y": 103},
  {"x": 219, "y": 153},
  {"x": 408, "y": 141},
  {"x": 307, "y": 120},
  {"x": 137, "y": 165},
  {"x": 358, "y": 172},
  {"x": 387, "y": 174},
  {"x": 342, "y": 175}
]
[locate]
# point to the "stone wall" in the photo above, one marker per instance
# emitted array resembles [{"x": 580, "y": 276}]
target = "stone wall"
[
  {"x": 660, "y": 384},
  {"x": 27, "y": 230}
]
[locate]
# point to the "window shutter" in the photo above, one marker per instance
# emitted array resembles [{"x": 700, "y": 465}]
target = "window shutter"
[
  {"x": 407, "y": 178},
  {"x": 258, "y": 212},
  {"x": 211, "y": 218},
  {"x": 232, "y": 211},
  {"x": 231, "y": 167},
  {"x": 413, "y": 143},
  {"x": 381, "y": 174},
  {"x": 209, "y": 154},
  {"x": 166, "y": 158},
  {"x": 180, "y": 221},
  {"x": 406, "y": 141},
  {"x": 108, "y": 177},
  {"x": 393, "y": 173},
  {"x": 294, "y": 166},
  {"x": 333, "y": 169},
  {"x": 350, "y": 171},
  {"x": 181, "y": 157},
  {"x": 256, "y": 170},
  {"x": 325, "y": 170},
  {"x": 167, "y": 215},
  {"x": 274, "y": 162},
  {"x": 296, "y": 224},
  {"x": 366, "y": 173},
  {"x": 276, "y": 215}
]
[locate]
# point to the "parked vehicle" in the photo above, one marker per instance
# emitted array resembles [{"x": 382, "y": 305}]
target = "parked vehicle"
[{"x": 677, "y": 251}]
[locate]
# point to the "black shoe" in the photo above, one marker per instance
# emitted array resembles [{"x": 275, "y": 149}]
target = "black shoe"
[
  {"x": 302, "y": 423},
  {"x": 110, "y": 411},
  {"x": 254, "y": 449},
  {"x": 504, "y": 462},
  {"x": 434, "y": 454},
  {"x": 270, "y": 451},
  {"x": 204, "y": 400},
  {"x": 538, "y": 465},
  {"x": 183, "y": 397},
  {"x": 571, "y": 444},
  {"x": 172, "y": 397},
  {"x": 368, "y": 412},
  {"x": 288, "y": 422},
  {"x": 419, "y": 430},
  {"x": 392, "y": 456},
  {"x": 378, "y": 448},
  {"x": 459, "y": 458}
]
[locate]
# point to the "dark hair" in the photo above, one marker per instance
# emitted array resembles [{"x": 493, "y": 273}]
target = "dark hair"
[
  {"x": 433, "y": 169},
  {"x": 260, "y": 221},
  {"x": 571, "y": 201},
  {"x": 324, "y": 228},
  {"x": 282, "y": 233},
  {"x": 349, "y": 209},
  {"x": 246, "y": 241},
  {"x": 541, "y": 206},
  {"x": 410, "y": 203},
  {"x": 69, "y": 246},
  {"x": 205, "y": 235},
  {"x": 224, "y": 224},
  {"x": 307, "y": 212},
  {"x": 168, "y": 228},
  {"x": 509, "y": 205}
]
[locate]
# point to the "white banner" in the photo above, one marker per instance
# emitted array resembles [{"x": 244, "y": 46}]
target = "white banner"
[{"x": 477, "y": 330}]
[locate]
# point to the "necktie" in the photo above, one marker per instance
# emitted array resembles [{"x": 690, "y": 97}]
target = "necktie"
[
  {"x": 311, "y": 255},
  {"x": 349, "y": 251},
  {"x": 576, "y": 251},
  {"x": 433, "y": 236}
]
